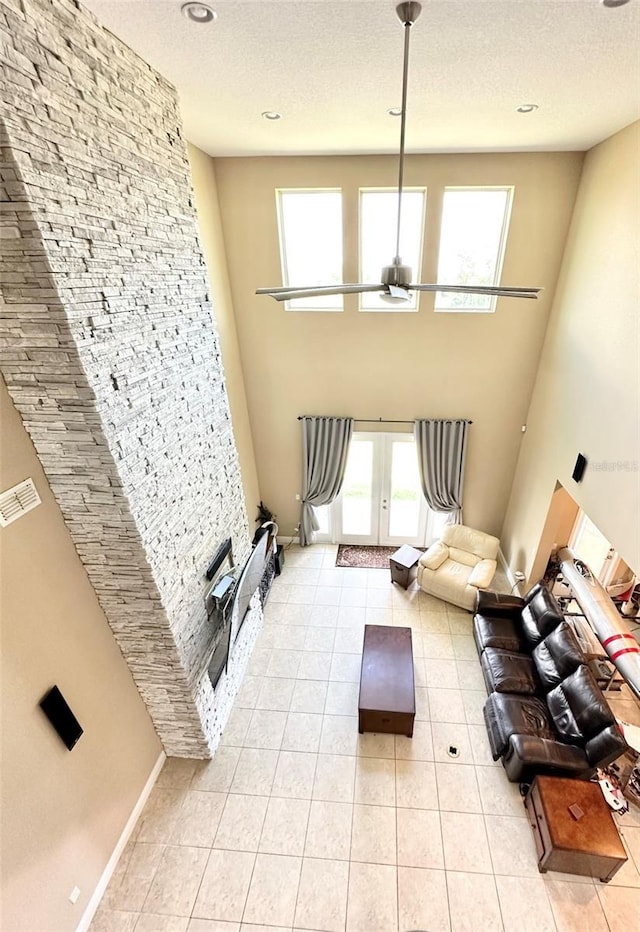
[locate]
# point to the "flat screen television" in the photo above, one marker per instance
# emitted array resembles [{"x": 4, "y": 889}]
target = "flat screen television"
[{"x": 249, "y": 581}]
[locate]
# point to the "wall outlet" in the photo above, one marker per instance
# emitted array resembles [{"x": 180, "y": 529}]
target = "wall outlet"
[
  {"x": 297, "y": 497},
  {"x": 73, "y": 896},
  {"x": 519, "y": 576}
]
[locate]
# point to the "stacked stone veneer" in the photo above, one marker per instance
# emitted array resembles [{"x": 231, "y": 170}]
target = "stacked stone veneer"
[{"x": 110, "y": 350}]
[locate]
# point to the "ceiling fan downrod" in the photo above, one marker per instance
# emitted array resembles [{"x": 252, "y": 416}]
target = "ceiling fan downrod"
[{"x": 408, "y": 13}]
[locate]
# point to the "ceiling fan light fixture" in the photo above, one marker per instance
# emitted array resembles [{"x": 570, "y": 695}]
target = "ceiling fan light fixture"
[
  {"x": 395, "y": 294},
  {"x": 395, "y": 111},
  {"x": 199, "y": 12},
  {"x": 271, "y": 115},
  {"x": 526, "y": 108}
]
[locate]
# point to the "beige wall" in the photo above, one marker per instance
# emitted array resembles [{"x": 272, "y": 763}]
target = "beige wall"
[
  {"x": 203, "y": 175},
  {"x": 62, "y": 812},
  {"x": 586, "y": 394},
  {"x": 558, "y": 525},
  {"x": 394, "y": 365}
]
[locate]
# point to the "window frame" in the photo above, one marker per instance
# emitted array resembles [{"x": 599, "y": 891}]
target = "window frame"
[
  {"x": 284, "y": 270},
  {"x": 502, "y": 247},
  {"x": 392, "y": 308}
]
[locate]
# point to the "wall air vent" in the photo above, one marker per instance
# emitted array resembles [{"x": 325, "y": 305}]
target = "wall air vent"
[{"x": 16, "y": 502}]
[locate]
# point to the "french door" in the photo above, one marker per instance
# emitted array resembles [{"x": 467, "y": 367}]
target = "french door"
[{"x": 381, "y": 501}]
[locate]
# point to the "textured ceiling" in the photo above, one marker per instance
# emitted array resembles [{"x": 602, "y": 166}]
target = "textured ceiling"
[{"x": 334, "y": 68}]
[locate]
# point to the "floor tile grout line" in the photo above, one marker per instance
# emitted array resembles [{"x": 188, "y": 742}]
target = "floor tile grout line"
[
  {"x": 306, "y": 835},
  {"x": 353, "y": 809}
]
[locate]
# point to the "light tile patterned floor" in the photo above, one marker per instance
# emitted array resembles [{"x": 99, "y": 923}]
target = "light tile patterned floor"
[{"x": 299, "y": 823}]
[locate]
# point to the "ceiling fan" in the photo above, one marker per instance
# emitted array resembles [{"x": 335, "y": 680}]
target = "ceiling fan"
[{"x": 395, "y": 281}]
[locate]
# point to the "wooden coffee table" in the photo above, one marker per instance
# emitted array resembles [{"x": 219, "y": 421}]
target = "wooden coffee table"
[
  {"x": 588, "y": 845},
  {"x": 387, "y": 702}
]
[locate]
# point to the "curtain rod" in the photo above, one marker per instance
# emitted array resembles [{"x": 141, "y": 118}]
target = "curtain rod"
[{"x": 382, "y": 420}]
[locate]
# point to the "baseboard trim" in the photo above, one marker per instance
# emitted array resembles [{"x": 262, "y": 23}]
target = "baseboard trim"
[
  {"x": 107, "y": 873},
  {"x": 285, "y": 541}
]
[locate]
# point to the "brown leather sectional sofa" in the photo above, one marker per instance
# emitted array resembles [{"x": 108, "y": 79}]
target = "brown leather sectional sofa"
[{"x": 545, "y": 712}]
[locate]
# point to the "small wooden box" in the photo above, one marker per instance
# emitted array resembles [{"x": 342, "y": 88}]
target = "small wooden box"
[
  {"x": 387, "y": 701},
  {"x": 589, "y": 846},
  {"x": 404, "y": 565}
]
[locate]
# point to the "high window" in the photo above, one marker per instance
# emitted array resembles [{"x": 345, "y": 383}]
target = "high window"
[
  {"x": 310, "y": 226},
  {"x": 472, "y": 241},
  {"x": 378, "y": 224}
]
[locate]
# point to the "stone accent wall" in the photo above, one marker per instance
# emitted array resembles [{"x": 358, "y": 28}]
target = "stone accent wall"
[{"x": 110, "y": 349}]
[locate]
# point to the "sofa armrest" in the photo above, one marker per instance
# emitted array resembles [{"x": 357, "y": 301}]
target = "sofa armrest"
[
  {"x": 606, "y": 746},
  {"x": 482, "y": 574},
  {"x": 435, "y": 556},
  {"x": 528, "y": 754},
  {"x": 495, "y": 603}
]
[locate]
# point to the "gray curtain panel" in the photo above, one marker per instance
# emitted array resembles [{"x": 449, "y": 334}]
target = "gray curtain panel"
[
  {"x": 325, "y": 444},
  {"x": 441, "y": 447}
]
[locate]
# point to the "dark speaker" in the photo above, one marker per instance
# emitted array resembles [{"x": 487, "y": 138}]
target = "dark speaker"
[
  {"x": 279, "y": 559},
  {"x": 55, "y": 707},
  {"x": 579, "y": 468}
]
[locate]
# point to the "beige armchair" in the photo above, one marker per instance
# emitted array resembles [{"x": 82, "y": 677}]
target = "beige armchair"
[{"x": 457, "y": 565}]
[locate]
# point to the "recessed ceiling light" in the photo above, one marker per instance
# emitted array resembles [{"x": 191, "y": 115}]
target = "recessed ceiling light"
[
  {"x": 612, "y": 3},
  {"x": 199, "y": 12},
  {"x": 526, "y": 108},
  {"x": 395, "y": 111},
  {"x": 271, "y": 115}
]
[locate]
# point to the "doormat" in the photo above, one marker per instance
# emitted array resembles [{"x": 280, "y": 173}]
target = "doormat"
[{"x": 373, "y": 558}]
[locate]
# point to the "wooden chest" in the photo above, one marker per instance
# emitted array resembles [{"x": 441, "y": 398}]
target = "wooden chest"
[
  {"x": 589, "y": 845},
  {"x": 404, "y": 565},
  {"x": 387, "y": 701}
]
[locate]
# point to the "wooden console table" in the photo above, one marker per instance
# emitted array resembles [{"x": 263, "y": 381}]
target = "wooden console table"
[
  {"x": 589, "y": 845},
  {"x": 387, "y": 702}
]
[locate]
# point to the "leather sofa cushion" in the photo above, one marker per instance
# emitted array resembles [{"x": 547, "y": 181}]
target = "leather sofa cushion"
[
  {"x": 557, "y": 656},
  {"x": 435, "y": 555},
  {"x": 506, "y": 715},
  {"x": 482, "y": 573},
  {"x": 540, "y": 617},
  {"x": 535, "y": 589},
  {"x": 606, "y": 746},
  {"x": 497, "y": 604},
  {"x": 484, "y": 546},
  {"x": 501, "y": 632},
  {"x": 578, "y": 708},
  {"x": 462, "y": 556},
  {"x": 529, "y": 754},
  {"x": 508, "y": 672}
]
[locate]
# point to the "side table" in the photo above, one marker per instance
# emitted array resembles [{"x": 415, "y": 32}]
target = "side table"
[
  {"x": 573, "y": 828},
  {"x": 404, "y": 565}
]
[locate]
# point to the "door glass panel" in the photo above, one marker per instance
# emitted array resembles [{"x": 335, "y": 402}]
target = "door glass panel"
[
  {"x": 404, "y": 503},
  {"x": 357, "y": 489}
]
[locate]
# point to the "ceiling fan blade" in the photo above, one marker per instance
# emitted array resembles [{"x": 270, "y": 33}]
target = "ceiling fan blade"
[
  {"x": 290, "y": 293},
  {"x": 505, "y": 291}
]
